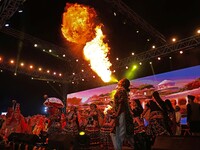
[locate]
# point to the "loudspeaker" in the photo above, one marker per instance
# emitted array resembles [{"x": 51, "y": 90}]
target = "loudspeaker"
[
  {"x": 60, "y": 142},
  {"x": 177, "y": 142},
  {"x": 23, "y": 138}
]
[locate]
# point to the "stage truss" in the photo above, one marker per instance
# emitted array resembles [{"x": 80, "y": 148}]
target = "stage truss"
[{"x": 7, "y": 9}]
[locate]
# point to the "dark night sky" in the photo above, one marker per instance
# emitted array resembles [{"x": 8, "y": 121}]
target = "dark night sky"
[{"x": 43, "y": 19}]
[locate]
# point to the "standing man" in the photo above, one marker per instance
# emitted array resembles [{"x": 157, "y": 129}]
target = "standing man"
[
  {"x": 123, "y": 116},
  {"x": 193, "y": 115}
]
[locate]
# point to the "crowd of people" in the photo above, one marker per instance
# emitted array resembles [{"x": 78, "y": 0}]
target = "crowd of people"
[{"x": 120, "y": 123}]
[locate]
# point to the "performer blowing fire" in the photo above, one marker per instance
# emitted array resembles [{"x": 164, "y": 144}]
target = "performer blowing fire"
[{"x": 123, "y": 118}]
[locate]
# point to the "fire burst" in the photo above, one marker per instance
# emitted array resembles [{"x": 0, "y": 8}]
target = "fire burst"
[
  {"x": 96, "y": 52},
  {"x": 80, "y": 27},
  {"x": 78, "y": 23}
]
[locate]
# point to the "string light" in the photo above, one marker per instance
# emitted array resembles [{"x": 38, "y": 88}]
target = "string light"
[
  {"x": 1, "y": 59},
  {"x": 173, "y": 39},
  {"x": 12, "y": 61},
  {"x": 22, "y": 64},
  {"x": 31, "y": 67},
  {"x": 40, "y": 69}
]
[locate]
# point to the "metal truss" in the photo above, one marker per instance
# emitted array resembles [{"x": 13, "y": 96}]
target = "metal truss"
[
  {"x": 185, "y": 44},
  {"x": 45, "y": 46},
  {"x": 137, "y": 20},
  {"x": 7, "y": 9}
]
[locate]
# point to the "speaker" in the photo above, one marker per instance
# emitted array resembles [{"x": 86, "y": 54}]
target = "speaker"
[
  {"x": 177, "y": 142},
  {"x": 23, "y": 138},
  {"x": 60, "y": 142}
]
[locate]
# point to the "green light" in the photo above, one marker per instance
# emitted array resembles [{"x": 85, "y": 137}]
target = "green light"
[
  {"x": 130, "y": 72},
  {"x": 134, "y": 67}
]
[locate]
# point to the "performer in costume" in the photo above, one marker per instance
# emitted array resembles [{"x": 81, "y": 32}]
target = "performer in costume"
[
  {"x": 123, "y": 116},
  {"x": 92, "y": 128},
  {"x": 72, "y": 124}
]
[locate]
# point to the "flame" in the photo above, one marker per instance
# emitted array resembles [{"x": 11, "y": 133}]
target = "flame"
[
  {"x": 108, "y": 107},
  {"x": 96, "y": 52},
  {"x": 78, "y": 23},
  {"x": 79, "y": 26}
]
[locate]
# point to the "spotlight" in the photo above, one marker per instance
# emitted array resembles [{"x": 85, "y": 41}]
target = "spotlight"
[
  {"x": 7, "y": 25},
  {"x": 20, "y": 11},
  {"x": 81, "y": 133},
  {"x": 82, "y": 140}
]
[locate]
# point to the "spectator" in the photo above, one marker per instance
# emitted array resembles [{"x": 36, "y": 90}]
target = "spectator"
[{"x": 193, "y": 115}]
